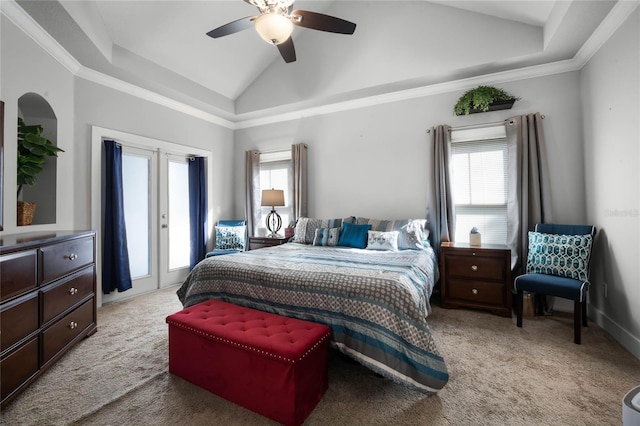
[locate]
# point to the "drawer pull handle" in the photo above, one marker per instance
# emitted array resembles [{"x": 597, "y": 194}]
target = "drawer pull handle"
[
  {"x": 73, "y": 325},
  {"x": 474, "y": 267},
  {"x": 72, "y": 256},
  {"x": 474, "y": 291},
  {"x": 73, "y": 291}
]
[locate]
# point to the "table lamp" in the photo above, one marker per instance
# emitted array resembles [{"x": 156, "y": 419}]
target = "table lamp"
[{"x": 273, "y": 197}]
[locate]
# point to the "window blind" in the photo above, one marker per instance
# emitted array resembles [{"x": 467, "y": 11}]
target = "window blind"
[{"x": 479, "y": 179}]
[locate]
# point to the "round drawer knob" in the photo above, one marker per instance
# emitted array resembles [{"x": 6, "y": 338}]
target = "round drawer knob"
[
  {"x": 72, "y": 256},
  {"x": 73, "y": 290},
  {"x": 474, "y": 267},
  {"x": 73, "y": 325},
  {"x": 474, "y": 291}
]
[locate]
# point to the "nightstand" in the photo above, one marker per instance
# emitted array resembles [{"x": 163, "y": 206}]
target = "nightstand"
[
  {"x": 262, "y": 242},
  {"x": 476, "y": 277}
]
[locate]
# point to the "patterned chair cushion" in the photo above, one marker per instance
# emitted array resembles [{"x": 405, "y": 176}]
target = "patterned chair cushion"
[
  {"x": 326, "y": 237},
  {"x": 378, "y": 240},
  {"x": 560, "y": 255},
  {"x": 230, "y": 237}
]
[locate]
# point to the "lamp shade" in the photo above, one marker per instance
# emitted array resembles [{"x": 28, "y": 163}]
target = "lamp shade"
[
  {"x": 273, "y": 27},
  {"x": 272, "y": 197}
]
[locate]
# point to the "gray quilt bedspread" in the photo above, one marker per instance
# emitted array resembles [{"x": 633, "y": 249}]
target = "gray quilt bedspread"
[{"x": 376, "y": 302}]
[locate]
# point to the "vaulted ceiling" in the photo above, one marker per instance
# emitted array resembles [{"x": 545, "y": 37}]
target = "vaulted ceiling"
[{"x": 162, "y": 46}]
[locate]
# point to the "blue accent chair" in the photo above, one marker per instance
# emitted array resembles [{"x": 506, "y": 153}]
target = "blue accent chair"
[
  {"x": 241, "y": 225},
  {"x": 552, "y": 285}
]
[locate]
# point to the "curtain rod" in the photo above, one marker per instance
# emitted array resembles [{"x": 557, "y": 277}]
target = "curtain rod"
[{"x": 479, "y": 126}]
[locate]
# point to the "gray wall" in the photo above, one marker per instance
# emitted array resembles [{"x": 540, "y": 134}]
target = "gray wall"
[
  {"x": 79, "y": 104},
  {"x": 610, "y": 89},
  {"x": 375, "y": 161}
]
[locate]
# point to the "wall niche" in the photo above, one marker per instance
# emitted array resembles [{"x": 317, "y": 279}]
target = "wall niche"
[{"x": 35, "y": 110}]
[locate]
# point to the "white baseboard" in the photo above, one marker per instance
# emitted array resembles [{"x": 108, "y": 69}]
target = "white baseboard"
[{"x": 626, "y": 339}]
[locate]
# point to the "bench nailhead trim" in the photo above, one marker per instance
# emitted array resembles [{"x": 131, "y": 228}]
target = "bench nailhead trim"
[{"x": 251, "y": 348}]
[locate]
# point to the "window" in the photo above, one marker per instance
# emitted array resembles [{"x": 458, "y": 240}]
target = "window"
[
  {"x": 275, "y": 173},
  {"x": 479, "y": 169}
]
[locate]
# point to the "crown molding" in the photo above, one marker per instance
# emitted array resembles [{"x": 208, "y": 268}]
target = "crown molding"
[{"x": 619, "y": 13}]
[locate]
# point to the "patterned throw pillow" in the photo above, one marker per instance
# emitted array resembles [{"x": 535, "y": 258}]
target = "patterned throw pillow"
[
  {"x": 413, "y": 234},
  {"x": 326, "y": 237},
  {"x": 561, "y": 255},
  {"x": 353, "y": 235},
  {"x": 378, "y": 240},
  {"x": 305, "y": 230},
  {"x": 230, "y": 237}
]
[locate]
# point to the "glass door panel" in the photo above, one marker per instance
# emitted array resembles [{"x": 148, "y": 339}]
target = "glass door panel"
[
  {"x": 175, "y": 247},
  {"x": 178, "y": 220}
]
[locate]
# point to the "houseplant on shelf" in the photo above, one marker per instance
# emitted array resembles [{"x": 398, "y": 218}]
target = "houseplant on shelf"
[
  {"x": 33, "y": 150},
  {"x": 482, "y": 99}
]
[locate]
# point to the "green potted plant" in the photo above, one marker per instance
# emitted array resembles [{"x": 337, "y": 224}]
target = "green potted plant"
[
  {"x": 33, "y": 150},
  {"x": 482, "y": 99}
]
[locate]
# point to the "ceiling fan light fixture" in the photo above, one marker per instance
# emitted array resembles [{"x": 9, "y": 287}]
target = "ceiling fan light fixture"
[{"x": 273, "y": 27}]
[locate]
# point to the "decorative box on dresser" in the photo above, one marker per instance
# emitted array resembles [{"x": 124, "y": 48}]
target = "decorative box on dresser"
[
  {"x": 476, "y": 277},
  {"x": 47, "y": 302},
  {"x": 262, "y": 242}
]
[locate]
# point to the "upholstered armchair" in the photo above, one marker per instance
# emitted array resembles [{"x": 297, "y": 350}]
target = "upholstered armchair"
[
  {"x": 558, "y": 265},
  {"x": 231, "y": 237}
]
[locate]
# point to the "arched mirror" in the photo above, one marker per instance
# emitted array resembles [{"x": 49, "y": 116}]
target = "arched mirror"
[{"x": 37, "y": 165}]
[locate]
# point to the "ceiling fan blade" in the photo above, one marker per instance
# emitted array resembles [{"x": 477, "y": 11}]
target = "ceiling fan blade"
[
  {"x": 232, "y": 27},
  {"x": 319, "y": 21},
  {"x": 287, "y": 50}
]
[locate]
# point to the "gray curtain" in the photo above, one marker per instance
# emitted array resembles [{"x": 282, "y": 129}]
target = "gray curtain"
[
  {"x": 441, "y": 210},
  {"x": 529, "y": 194},
  {"x": 299, "y": 180},
  {"x": 252, "y": 190}
]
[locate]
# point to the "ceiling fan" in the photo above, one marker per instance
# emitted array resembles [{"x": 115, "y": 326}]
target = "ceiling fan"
[{"x": 276, "y": 23}]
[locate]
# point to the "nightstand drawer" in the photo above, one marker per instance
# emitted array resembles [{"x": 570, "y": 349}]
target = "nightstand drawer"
[
  {"x": 476, "y": 267},
  {"x": 486, "y": 293}
]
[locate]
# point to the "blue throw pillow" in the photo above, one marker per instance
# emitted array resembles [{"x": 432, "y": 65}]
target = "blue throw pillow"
[
  {"x": 353, "y": 235},
  {"x": 561, "y": 255},
  {"x": 230, "y": 237}
]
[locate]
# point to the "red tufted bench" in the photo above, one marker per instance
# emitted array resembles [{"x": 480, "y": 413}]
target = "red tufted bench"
[{"x": 273, "y": 365}]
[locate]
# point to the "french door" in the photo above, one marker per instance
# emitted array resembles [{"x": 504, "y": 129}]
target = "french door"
[{"x": 156, "y": 210}]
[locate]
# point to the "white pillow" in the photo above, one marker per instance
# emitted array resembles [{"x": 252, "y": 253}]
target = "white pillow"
[{"x": 378, "y": 240}]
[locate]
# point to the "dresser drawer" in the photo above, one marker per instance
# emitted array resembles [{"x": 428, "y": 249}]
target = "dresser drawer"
[
  {"x": 60, "y": 259},
  {"x": 486, "y": 293},
  {"x": 18, "y": 319},
  {"x": 58, "y": 297},
  {"x": 18, "y": 367},
  {"x": 19, "y": 272},
  {"x": 476, "y": 267},
  {"x": 65, "y": 330}
]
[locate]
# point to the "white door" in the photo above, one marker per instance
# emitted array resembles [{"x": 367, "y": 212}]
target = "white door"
[{"x": 156, "y": 204}]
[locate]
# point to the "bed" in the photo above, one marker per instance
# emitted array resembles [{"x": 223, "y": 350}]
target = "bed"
[{"x": 375, "y": 301}]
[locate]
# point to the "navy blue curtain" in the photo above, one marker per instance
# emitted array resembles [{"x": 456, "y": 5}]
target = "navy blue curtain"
[
  {"x": 115, "y": 256},
  {"x": 198, "y": 210}
]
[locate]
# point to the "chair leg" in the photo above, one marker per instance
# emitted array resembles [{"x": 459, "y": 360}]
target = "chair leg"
[
  {"x": 584, "y": 313},
  {"x": 519, "y": 307},
  {"x": 577, "y": 321}
]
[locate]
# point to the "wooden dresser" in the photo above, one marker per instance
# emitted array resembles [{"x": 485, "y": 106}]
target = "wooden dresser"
[
  {"x": 47, "y": 302},
  {"x": 262, "y": 242},
  {"x": 476, "y": 277}
]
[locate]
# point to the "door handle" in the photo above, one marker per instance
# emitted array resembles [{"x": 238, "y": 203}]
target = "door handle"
[{"x": 164, "y": 225}]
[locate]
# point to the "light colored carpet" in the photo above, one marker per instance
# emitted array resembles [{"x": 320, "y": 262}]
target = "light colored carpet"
[{"x": 500, "y": 375}]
